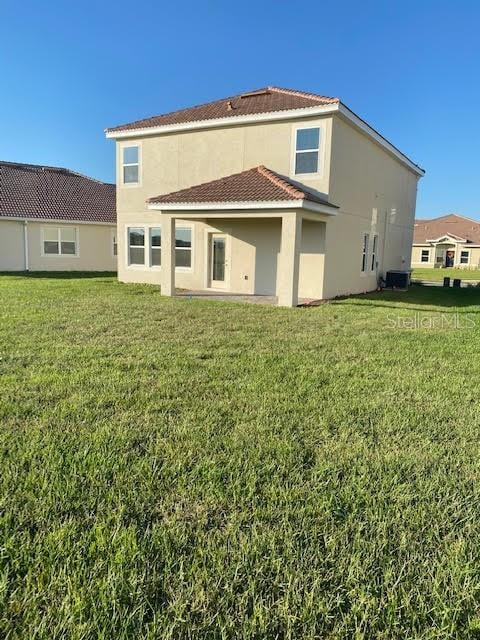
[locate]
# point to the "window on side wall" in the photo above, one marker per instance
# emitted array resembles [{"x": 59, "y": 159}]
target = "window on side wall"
[
  {"x": 464, "y": 257},
  {"x": 183, "y": 247},
  {"x": 155, "y": 247},
  {"x": 130, "y": 164},
  {"x": 373, "y": 262},
  {"x": 136, "y": 245},
  {"x": 425, "y": 255},
  {"x": 114, "y": 244},
  {"x": 60, "y": 241},
  {"x": 366, "y": 239},
  {"x": 307, "y": 150}
]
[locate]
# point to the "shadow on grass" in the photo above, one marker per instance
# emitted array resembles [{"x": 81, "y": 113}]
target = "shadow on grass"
[
  {"x": 418, "y": 296},
  {"x": 60, "y": 275}
]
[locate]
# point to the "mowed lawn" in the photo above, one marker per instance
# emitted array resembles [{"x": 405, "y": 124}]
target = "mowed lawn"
[
  {"x": 173, "y": 468},
  {"x": 436, "y": 275}
]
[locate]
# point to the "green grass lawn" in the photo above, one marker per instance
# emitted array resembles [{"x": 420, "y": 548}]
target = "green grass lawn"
[
  {"x": 178, "y": 469},
  {"x": 440, "y": 274}
]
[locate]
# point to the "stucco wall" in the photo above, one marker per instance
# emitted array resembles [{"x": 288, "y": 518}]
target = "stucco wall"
[
  {"x": 417, "y": 256},
  {"x": 177, "y": 160},
  {"x": 95, "y": 248},
  {"x": 12, "y": 255},
  {"x": 376, "y": 195},
  {"x": 252, "y": 254}
]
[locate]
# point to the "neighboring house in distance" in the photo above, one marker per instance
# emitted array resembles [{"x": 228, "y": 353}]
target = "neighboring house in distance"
[
  {"x": 274, "y": 191},
  {"x": 448, "y": 241},
  {"x": 54, "y": 219}
]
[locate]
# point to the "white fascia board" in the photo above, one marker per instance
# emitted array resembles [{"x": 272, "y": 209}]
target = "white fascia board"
[
  {"x": 55, "y": 221},
  {"x": 239, "y": 206},
  {"x": 448, "y": 238},
  {"x": 306, "y": 112}
]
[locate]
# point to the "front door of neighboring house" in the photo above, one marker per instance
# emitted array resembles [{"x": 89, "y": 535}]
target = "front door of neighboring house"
[
  {"x": 218, "y": 261},
  {"x": 449, "y": 258}
]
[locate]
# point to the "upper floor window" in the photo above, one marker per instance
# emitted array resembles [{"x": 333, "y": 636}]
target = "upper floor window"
[
  {"x": 307, "y": 150},
  {"x": 425, "y": 255},
  {"x": 59, "y": 241},
  {"x": 130, "y": 165}
]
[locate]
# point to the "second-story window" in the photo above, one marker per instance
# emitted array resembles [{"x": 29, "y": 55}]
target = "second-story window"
[
  {"x": 307, "y": 147},
  {"x": 130, "y": 165}
]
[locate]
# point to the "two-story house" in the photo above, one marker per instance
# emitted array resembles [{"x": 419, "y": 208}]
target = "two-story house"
[{"x": 274, "y": 192}]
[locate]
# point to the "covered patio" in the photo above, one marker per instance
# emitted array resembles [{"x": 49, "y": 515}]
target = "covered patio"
[{"x": 252, "y": 225}]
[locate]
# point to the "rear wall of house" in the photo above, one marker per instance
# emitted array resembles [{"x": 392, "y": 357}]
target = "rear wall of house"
[
  {"x": 173, "y": 161},
  {"x": 253, "y": 254},
  {"x": 95, "y": 250}
]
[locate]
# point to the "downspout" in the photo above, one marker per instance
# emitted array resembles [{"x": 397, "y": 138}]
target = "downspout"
[{"x": 25, "y": 243}]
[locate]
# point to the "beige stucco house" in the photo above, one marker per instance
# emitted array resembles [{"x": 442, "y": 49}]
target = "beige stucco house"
[
  {"x": 449, "y": 241},
  {"x": 274, "y": 192},
  {"x": 54, "y": 219}
]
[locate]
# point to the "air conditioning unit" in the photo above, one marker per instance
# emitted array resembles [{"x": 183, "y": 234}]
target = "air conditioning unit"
[{"x": 397, "y": 279}]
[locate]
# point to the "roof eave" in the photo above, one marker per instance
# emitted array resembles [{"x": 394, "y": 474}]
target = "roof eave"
[
  {"x": 57, "y": 220},
  {"x": 285, "y": 114},
  {"x": 308, "y": 205}
]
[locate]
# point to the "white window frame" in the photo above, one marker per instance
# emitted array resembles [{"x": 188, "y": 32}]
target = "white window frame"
[
  {"x": 147, "y": 265},
  {"x": 189, "y": 226},
  {"x": 58, "y": 227},
  {"x": 114, "y": 243},
  {"x": 422, "y": 251},
  {"x": 321, "y": 150},
  {"x": 467, "y": 251},
  {"x": 121, "y": 147},
  {"x": 365, "y": 252},
  {"x": 155, "y": 267},
  {"x": 373, "y": 255},
  {"x": 143, "y": 266}
]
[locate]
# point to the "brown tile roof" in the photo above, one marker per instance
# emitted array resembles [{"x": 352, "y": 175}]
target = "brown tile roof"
[
  {"x": 253, "y": 185},
  {"x": 264, "y": 100},
  {"x": 51, "y": 193},
  {"x": 451, "y": 224}
]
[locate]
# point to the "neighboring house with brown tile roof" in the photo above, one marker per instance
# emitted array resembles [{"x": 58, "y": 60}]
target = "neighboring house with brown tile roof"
[
  {"x": 448, "y": 241},
  {"x": 54, "y": 219},
  {"x": 273, "y": 191}
]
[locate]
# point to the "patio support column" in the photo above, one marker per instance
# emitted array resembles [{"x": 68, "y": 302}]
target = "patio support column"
[
  {"x": 287, "y": 286},
  {"x": 168, "y": 255}
]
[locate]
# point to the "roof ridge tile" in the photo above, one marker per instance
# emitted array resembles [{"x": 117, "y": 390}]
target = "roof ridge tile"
[
  {"x": 305, "y": 94},
  {"x": 281, "y": 182}
]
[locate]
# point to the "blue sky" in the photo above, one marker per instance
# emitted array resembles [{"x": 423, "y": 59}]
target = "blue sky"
[{"x": 411, "y": 69}]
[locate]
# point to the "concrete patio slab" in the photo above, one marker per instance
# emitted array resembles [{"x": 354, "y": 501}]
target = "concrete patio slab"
[{"x": 234, "y": 297}]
